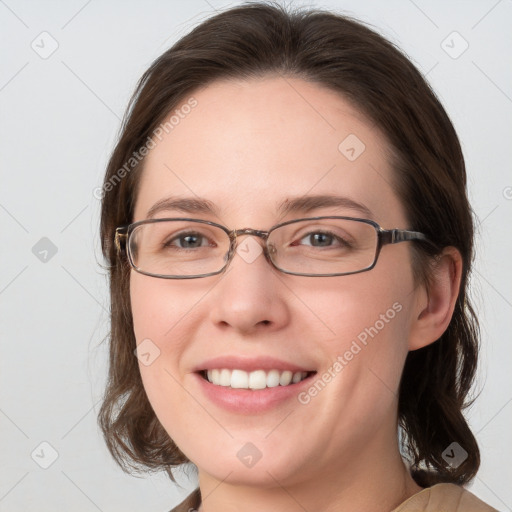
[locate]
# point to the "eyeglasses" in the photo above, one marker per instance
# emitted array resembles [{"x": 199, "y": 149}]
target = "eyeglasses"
[{"x": 181, "y": 248}]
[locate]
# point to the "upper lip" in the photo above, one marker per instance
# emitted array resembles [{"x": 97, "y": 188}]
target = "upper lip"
[{"x": 249, "y": 364}]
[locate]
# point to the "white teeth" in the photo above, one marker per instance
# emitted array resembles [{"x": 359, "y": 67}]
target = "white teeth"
[
  {"x": 286, "y": 378},
  {"x": 239, "y": 379},
  {"x": 225, "y": 378},
  {"x": 272, "y": 379},
  {"x": 258, "y": 379},
  {"x": 297, "y": 377}
]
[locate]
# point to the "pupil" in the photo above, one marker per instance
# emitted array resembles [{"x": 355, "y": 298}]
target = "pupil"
[
  {"x": 190, "y": 241},
  {"x": 320, "y": 237}
]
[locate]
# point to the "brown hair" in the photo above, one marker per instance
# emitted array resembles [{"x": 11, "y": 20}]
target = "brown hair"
[{"x": 259, "y": 39}]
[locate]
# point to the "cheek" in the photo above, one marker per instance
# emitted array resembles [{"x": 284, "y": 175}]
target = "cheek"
[
  {"x": 150, "y": 298},
  {"x": 158, "y": 307},
  {"x": 358, "y": 307},
  {"x": 362, "y": 360},
  {"x": 367, "y": 319},
  {"x": 155, "y": 312}
]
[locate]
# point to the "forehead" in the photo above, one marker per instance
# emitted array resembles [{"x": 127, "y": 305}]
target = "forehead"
[{"x": 247, "y": 146}]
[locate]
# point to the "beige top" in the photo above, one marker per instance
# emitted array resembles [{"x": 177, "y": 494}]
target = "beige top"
[{"x": 438, "y": 498}]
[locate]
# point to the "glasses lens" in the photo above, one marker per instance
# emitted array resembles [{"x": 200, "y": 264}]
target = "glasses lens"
[
  {"x": 178, "y": 248},
  {"x": 324, "y": 246}
]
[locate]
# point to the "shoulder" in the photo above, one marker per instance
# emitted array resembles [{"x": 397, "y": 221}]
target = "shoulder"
[
  {"x": 190, "y": 504},
  {"x": 438, "y": 498},
  {"x": 444, "y": 498}
]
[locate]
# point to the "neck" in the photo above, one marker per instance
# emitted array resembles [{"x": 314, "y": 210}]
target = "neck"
[{"x": 368, "y": 480}]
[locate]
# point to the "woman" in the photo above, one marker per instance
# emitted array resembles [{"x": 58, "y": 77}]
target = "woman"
[{"x": 289, "y": 239}]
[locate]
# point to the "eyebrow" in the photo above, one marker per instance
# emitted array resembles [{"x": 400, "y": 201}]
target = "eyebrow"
[
  {"x": 302, "y": 204},
  {"x": 183, "y": 204},
  {"x": 305, "y": 204}
]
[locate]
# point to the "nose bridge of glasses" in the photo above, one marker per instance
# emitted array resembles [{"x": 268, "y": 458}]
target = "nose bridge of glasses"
[
  {"x": 249, "y": 231},
  {"x": 236, "y": 233}
]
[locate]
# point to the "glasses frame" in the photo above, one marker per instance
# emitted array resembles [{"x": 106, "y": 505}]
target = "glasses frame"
[{"x": 384, "y": 237}]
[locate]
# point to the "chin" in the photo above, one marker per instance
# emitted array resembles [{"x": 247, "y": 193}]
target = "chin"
[{"x": 260, "y": 475}]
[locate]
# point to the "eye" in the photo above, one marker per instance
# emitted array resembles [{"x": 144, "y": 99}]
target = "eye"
[
  {"x": 322, "y": 239},
  {"x": 188, "y": 240}
]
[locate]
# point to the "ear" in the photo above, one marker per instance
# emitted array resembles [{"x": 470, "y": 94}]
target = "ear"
[{"x": 436, "y": 300}]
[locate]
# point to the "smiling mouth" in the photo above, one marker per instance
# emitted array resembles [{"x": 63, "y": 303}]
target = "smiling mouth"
[{"x": 255, "y": 380}]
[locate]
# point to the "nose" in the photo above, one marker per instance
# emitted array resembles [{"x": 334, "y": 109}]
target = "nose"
[{"x": 250, "y": 295}]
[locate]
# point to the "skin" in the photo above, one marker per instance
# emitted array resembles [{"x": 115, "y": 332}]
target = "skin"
[{"x": 246, "y": 146}]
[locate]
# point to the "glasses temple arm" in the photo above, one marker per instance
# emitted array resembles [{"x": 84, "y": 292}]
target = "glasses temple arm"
[
  {"x": 394, "y": 236},
  {"x": 120, "y": 236}
]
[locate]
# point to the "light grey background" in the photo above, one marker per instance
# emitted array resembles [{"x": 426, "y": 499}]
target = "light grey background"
[{"x": 59, "y": 119}]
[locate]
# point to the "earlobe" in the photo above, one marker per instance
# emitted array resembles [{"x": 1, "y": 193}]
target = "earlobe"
[{"x": 436, "y": 300}]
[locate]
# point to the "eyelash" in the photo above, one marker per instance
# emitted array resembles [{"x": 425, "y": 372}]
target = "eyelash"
[{"x": 169, "y": 243}]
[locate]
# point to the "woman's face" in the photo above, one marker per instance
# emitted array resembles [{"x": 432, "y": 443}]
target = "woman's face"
[{"x": 247, "y": 147}]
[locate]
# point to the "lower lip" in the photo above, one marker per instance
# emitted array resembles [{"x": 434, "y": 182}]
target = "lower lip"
[{"x": 248, "y": 401}]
